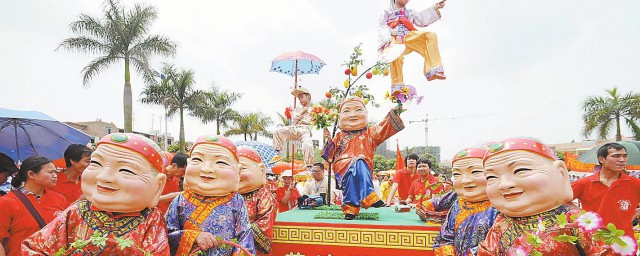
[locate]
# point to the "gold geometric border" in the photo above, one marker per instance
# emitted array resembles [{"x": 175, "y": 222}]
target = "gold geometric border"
[{"x": 357, "y": 237}]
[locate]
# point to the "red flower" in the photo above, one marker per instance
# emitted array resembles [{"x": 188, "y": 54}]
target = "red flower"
[{"x": 287, "y": 112}]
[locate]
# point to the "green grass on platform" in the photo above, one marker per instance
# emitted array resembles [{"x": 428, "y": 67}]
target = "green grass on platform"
[
  {"x": 386, "y": 216},
  {"x": 335, "y": 215}
]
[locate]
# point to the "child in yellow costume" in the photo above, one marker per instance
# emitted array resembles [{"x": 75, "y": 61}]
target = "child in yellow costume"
[{"x": 398, "y": 36}]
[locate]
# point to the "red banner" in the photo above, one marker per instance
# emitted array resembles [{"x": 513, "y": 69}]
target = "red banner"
[{"x": 573, "y": 164}]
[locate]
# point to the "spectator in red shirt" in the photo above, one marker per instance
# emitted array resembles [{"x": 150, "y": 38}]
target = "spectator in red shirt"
[
  {"x": 427, "y": 186},
  {"x": 611, "y": 192},
  {"x": 16, "y": 223},
  {"x": 175, "y": 174},
  {"x": 77, "y": 157},
  {"x": 403, "y": 179},
  {"x": 287, "y": 195},
  {"x": 7, "y": 169}
]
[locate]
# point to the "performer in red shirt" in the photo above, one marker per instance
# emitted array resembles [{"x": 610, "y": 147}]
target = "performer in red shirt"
[
  {"x": 404, "y": 178},
  {"x": 16, "y": 222},
  {"x": 175, "y": 173},
  {"x": 77, "y": 157},
  {"x": 287, "y": 195},
  {"x": 610, "y": 192},
  {"x": 427, "y": 186}
]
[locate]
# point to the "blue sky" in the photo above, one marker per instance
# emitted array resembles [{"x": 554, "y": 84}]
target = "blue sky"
[{"x": 526, "y": 64}]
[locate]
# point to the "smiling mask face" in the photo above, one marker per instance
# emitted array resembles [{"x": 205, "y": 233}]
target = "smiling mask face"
[
  {"x": 468, "y": 179},
  {"x": 212, "y": 171},
  {"x": 353, "y": 116},
  {"x": 520, "y": 183},
  {"x": 121, "y": 180}
]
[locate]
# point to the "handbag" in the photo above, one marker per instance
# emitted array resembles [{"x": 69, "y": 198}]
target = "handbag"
[{"x": 32, "y": 210}]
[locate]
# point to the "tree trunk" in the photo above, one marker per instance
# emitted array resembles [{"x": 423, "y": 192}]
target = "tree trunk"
[
  {"x": 245, "y": 136},
  {"x": 217, "y": 126},
  {"x": 127, "y": 101},
  {"x": 181, "y": 130},
  {"x": 618, "y": 133}
]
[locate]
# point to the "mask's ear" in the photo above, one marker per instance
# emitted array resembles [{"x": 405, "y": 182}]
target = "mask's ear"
[
  {"x": 161, "y": 180},
  {"x": 263, "y": 172},
  {"x": 561, "y": 167}
]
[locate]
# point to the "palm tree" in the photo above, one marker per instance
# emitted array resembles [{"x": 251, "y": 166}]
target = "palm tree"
[
  {"x": 176, "y": 93},
  {"x": 119, "y": 35},
  {"x": 216, "y": 106},
  {"x": 602, "y": 113},
  {"x": 253, "y": 123}
]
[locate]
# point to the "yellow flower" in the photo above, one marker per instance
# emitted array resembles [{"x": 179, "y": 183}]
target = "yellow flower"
[{"x": 386, "y": 95}]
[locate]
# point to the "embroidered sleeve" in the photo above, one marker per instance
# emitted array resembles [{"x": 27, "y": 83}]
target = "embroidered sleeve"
[
  {"x": 180, "y": 240},
  {"x": 263, "y": 226},
  {"x": 425, "y": 17},
  {"x": 156, "y": 241},
  {"x": 384, "y": 34},
  {"x": 446, "y": 236},
  {"x": 389, "y": 126},
  {"x": 244, "y": 235}
]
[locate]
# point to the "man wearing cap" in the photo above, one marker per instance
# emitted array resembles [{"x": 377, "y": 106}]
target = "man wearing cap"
[
  {"x": 299, "y": 128},
  {"x": 122, "y": 186},
  {"x": 530, "y": 187},
  {"x": 351, "y": 153},
  {"x": 287, "y": 195}
]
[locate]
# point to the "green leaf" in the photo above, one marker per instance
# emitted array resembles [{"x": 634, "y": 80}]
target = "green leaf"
[
  {"x": 534, "y": 240},
  {"x": 562, "y": 220},
  {"x": 98, "y": 240},
  {"x": 123, "y": 243},
  {"x": 611, "y": 227},
  {"x": 565, "y": 238},
  {"x": 79, "y": 244},
  {"x": 619, "y": 241}
]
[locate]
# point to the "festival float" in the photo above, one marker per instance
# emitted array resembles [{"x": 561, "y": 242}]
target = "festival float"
[{"x": 346, "y": 229}]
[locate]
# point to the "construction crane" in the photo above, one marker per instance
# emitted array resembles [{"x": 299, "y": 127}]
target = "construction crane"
[{"x": 426, "y": 124}]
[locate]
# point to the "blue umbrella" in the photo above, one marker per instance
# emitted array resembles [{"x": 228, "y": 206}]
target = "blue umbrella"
[
  {"x": 266, "y": 152},
  {"x": 29, "y": 133}
]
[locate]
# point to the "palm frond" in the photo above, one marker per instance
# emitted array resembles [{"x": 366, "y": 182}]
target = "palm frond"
[
  {"x": 635, "y": 128},
  {"x": 156, "y": 44},
  {"x": 95, "y": 67},
  {"x": 87, "y": 25}
]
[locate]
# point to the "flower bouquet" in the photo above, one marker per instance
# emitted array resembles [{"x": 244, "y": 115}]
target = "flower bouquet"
[{"x": 401, "y": 93}]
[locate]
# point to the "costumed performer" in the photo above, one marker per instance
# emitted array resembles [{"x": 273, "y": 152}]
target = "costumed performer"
[
  {"x": 299, "y": 129},
  {"x": 351, "y": 153},
  {"x": 261, "y": 204},
  {"x": 210, "y": 209},
  {"x": 398, "y": 36},
  {"x": 530, "y": 187},
  {"x": 472, "y": 215},
  {"x": 122, "y": 186}
]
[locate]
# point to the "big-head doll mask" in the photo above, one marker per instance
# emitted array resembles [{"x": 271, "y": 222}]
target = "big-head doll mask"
[
  {"x": 125, "y": 174},
  {"x": 353, "y": 115},
  {"x": 468, "y": 175},
  {"x": 213, "y": 168},
  {"x": 524, "y": 178},
  {"x": 253, "y": 173}
]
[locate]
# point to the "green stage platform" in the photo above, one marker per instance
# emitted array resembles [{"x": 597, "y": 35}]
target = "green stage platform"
[{"x": 387, "y": 217}]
